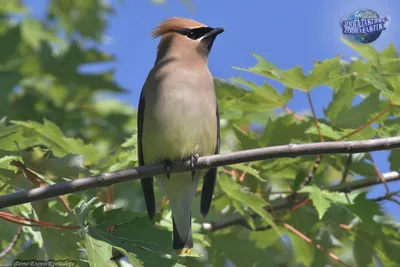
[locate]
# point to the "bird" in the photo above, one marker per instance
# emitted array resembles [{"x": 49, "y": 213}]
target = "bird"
[{"x": 178, "y": 120}]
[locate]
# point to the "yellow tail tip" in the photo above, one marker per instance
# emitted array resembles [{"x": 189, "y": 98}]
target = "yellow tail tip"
[{"x": 184, "y": 251}]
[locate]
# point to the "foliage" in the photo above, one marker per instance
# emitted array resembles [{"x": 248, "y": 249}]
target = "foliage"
[{"x": 59, "y": 123}]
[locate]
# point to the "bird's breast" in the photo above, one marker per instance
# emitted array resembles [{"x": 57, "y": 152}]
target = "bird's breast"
[{"x": 179, "y": 122}]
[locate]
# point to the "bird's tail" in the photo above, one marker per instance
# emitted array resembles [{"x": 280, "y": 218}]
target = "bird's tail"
[
  {"x": 181, "y": 206},
  {"x": 180, "y": 190},
  {"x": 182, "y": 245}
]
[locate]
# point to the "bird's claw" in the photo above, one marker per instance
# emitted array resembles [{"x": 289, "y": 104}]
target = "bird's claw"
[
  {"x": 168, "y": 167},
  {"x": 193, "y": 161}
]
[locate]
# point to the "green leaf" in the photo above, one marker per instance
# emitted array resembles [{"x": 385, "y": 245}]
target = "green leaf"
[
  {"x": 359, "y": 114},
  {"x": 326, "y": 131},
  {"x": 265, "y": 94},
  {"x": 51, "y": 135},
  {"x": 320, "y": 202},
  {"x": 134, "y": 260},
  {"x": 394, "y": 160},
  {"x": 236, "y": 245},
  {"x": 254, "y": 202},
  {"x": 86, "y": 18},
  {"x": 9, "y": 39},
  {"x": 243, "y": 106},
  {"x": 129, "y": 142},
  {"x": 322, "y": 199},
  {"x": 388, "y": 243},
  {"x": 82, "y": 212},
  {"x": 303, "y": 251},
  {"x": 366, "y": 51},
  {"x": 264, "y": 239},
  {"x": 32, "y": 252},
  {"x": 342, "y": 100},
  {"x": 228, "y": 91},
  {"x": 69, "y": 166},
  {"x": 375, "y": 78},
  {"x": 264, "y": 68},
  {"x": 33, "y": 33},
  {"x": 135, "y": 234},
  {"x": 323, "y": 72},
  {"x": 12, "y": 6},
  {"x": 365, "y": 210},
  {"x": 51, "y": 236},
  {"x": 389, "y": 59},
  {"x": 294, "y": 78},
  {"x": 284, "y": 130},
  {"x": 9, "y": 230},
  {"x": 249, "y": 170},
  {"x": 238, "y": 206},
  {"x": 394, "y": 92},
  {"x": 245, "y": 140},
  {"x": 9, "y": 80},
  {"x": 76, "y": 56},
  {"x": 363, "y": 249},
  {"x": 99, "y": 252}
]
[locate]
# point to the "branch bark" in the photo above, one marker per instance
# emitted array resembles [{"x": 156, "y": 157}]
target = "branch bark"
[
  {"x": 283, "y": 151},
  {"x": 287, "y": 202}
]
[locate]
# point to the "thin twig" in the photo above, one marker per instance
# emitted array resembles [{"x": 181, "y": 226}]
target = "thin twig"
[
  {"x": 12, "y": 243},
  {"x": 207, "y": 162},
  {"x": 345, "y": 226},
  {"x": 318, "y": 160},
  {"x": 318, "y": 246},
  {"x": 20, "y": 223},
  {"x": 347, "y": 168},
  {"x": 301, "y": 204},
  {"x": 386, "y": 197},
  {"x": 379, "y": 174},
  {"x": 109, "y": 196},
  {"x": 291, "y": 112},
  {"x": 301, "y": 199},
  {"x": 241, "y": 178},
  {"x": 368, "y": 123},
  {"x": 346, "y": 172},
  {"x": 3, "y": 187},
  {"x": 231, "y": 173},
  {"x": 21, "y": 220},
  {"x": 321, "y": 137},
  {"x": 306, "y": 182},
  {"x": 311, "y": 174}
]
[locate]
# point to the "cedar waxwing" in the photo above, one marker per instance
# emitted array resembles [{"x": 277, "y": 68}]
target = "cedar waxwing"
[{"x": 178, "y": 120}]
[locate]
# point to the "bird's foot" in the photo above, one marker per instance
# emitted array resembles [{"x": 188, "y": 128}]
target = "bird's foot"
[
  {"x": 193, "y": 160},
  {"x": 168, "y": 165}
]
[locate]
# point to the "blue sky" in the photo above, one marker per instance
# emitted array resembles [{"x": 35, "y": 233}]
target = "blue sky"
[{"x": 285, "y": 32}]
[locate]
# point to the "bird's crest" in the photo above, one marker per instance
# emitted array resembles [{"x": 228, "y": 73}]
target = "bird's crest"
[{"x": 173, "y": 24}]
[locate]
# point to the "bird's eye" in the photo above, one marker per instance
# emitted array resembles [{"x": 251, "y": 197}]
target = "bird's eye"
[
  {"x": 195, "y": 33},
  {"x": 191, "y": 35}
]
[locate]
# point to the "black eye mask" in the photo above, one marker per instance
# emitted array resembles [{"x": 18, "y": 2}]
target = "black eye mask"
[{"x": 195, "y": 33}]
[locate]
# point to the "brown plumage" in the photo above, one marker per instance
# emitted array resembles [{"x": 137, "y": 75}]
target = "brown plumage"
[
  {"x": 175, "y": 23},
  {"x": 174, "y": 45}
]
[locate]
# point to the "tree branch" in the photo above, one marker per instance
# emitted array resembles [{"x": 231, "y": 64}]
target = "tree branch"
[
  {"x": 107, "y": 179},
  {"x": 286, "y": 203}
]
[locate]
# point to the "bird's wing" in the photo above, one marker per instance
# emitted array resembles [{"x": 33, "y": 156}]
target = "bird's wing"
[
  {"x": 147, "y": 183},
  {"x": 210, "y": 178}
]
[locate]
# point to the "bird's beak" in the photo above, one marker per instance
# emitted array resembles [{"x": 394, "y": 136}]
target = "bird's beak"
[{"x": 214, "y": 32}]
